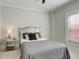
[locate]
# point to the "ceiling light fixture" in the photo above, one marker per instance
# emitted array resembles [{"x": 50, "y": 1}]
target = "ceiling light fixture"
[{"x": 43, "y": 1}]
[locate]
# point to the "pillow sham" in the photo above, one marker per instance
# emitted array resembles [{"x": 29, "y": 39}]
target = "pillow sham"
[
  {"x": 25, "y": 36},
  {"x": 40, "y": 39},
  {"x": 38, "y": 35}
]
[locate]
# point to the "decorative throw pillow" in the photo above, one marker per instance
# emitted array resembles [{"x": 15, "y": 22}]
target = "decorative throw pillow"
[
  {"x": 32, "y": 36},
  {"x": 24, "y": 37}
]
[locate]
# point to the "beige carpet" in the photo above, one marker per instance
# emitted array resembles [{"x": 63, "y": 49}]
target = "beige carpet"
[
  {"x": 15, "y": 54},
  {"x": 12, "y": 54}
]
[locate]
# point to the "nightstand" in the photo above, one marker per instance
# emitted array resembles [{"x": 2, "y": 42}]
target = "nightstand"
[{"x": 10, "y": 44}]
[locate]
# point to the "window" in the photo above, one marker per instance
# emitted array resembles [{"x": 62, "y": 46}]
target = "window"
[{"x": 73, "y": 28}]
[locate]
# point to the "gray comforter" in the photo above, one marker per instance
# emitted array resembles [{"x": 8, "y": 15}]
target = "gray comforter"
[{"x": 44, "y": 50}]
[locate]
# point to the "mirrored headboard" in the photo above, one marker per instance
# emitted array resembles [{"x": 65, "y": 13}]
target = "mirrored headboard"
[{"x": 29, "y": 29}]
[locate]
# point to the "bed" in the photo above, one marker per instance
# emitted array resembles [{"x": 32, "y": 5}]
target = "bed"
[{"x": 41, "y": 48}]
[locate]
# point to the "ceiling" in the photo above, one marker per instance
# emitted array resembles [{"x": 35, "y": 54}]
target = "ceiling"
[{"x": 34, "y": 4}]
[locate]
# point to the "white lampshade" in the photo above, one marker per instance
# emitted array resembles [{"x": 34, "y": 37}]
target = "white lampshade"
[{"x": 9, "y": 32}]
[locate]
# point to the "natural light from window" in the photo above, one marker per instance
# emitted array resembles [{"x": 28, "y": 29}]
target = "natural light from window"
[{"x": 73, "y": 28}]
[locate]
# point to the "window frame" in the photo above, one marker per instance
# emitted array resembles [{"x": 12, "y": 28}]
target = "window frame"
[{"x": 67, "y": 31}]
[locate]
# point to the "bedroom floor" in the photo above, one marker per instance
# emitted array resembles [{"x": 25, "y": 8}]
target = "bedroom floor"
[{"x": 13, "y": 54}]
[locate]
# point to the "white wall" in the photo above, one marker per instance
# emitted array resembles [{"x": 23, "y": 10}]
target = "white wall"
[
  {"x": 60, "y": 26},
  {"x": 15, "y": 17},
  {"x": 0, "y": 22},
  {"x": 52, "y": 26},
  {"x": 0, "y": 25}
]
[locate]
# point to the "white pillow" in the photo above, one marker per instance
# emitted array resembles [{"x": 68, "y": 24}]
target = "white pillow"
[
  {"x": 37, "y": 36},
  {"x": 41, "y": 39},
  {"x": 26, "y": 40},
  {"x": 27, "y": 37}
]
